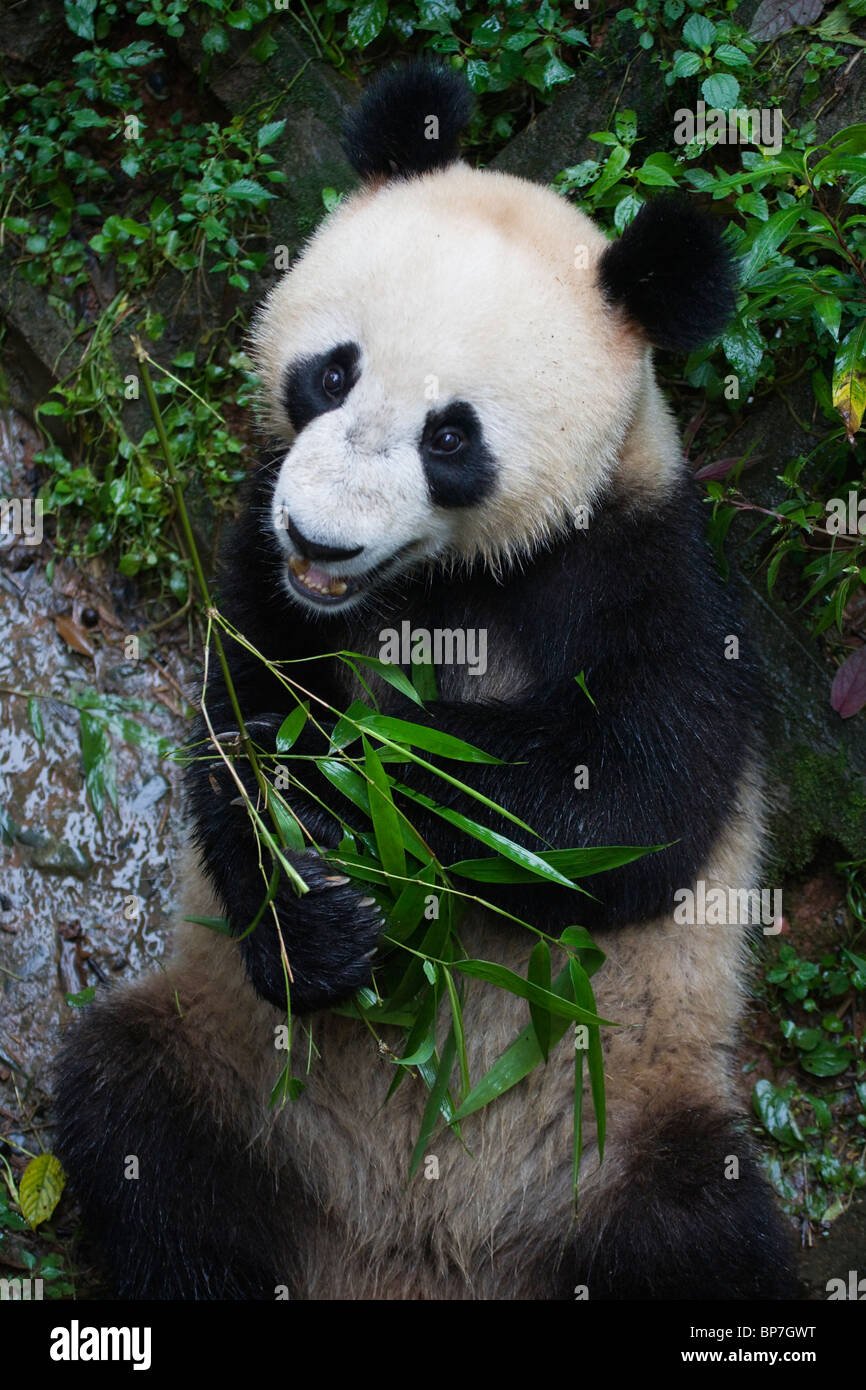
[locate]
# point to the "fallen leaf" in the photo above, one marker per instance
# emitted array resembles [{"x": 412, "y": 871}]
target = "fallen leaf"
[
  {"x": 74, "y": 636},
  {"x": 775, "y": 17},
  {"x": 848, "y": 692}
]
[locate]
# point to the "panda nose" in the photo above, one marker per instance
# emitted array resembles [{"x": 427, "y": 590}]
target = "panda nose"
[{"x": 313, "y": 550}]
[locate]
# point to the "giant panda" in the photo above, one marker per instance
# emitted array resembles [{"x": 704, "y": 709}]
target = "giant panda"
[{"x": 461, "y": 506}]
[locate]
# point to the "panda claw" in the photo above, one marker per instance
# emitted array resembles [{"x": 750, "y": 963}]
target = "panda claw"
[{"x": 367, "y": 902}]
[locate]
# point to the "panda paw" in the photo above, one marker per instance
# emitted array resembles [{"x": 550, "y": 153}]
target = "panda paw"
[{"x": 330, "y": 934}]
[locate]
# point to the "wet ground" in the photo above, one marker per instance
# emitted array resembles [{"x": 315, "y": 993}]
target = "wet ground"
[{"x": 84, "y": 899}]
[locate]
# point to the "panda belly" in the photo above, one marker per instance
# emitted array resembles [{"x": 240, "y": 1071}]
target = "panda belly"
[{"x": 497, "y": 1220}]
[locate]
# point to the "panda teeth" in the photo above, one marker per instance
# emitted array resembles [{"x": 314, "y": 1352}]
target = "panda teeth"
[{"x": 335, "y": 588}]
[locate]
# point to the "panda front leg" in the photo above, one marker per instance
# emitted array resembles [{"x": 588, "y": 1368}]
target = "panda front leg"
[{"x": 329, "y": 934}]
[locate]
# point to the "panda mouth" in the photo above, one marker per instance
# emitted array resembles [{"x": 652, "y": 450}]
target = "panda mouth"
[
  {"x": 313, "y": 582},
  {"x": 332, "y": 590}
]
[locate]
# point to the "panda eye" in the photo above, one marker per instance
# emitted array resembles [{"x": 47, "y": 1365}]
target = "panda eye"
[
  {"x": 448, "y": 440},
  {"x": 333, "y": 380}
]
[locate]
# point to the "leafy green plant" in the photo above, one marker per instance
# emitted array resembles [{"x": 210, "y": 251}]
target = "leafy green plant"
[
  {"x": 24, "y": 1206},
  {"x": 799, "y": 236},
  {"x": 818, "y": 1135}
]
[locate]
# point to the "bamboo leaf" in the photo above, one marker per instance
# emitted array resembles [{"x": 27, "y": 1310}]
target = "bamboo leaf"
[
  {"x": 431, "y": 740},
  {"x": 539, "y": 974},
  {"x": 506, "y": 979},
  {"x": 392, "y": 674},
  {"x": 291, "y": 727},
  {"x": 516, "y": 1061},
  {"x": 584, "y": 996},
  {"x": 525, "y": 857},
  {"x": 386, "y": 824},
  {"x": 459, "y": 1033},
  {"x": 435, "y": 1102},
  {"x": 573, "y": 863}
]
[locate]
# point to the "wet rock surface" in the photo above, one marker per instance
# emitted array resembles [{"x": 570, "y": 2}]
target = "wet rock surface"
[{"x": 84, "y": 901}]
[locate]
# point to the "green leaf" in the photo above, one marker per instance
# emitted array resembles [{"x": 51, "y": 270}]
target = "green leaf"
[
  {"x": 247, "y": 191},
  {"x": 613, "y": 167},
  {"x": 269, "y": 132},
  {"x": 849, "y": 379},
  {"x": 539, "y": 974},
  {"x": 827, "y": 1059},
  {"x": 217, "y": 924},
  {"x": 721, "y": 91},
  {"x": 459, "y": 1032},
  {"x": 435, "y": 1101},
  {"x": 773, "y": 1108},
  {"x": 525, "y": 857},
  {"x": 81, "y": 998},
  {"x": 419, "y": 736},
  {"x": 290, "y": 832},
  {"x": 769, "y": 238},
  {"x": 573, "y": 863},
  {"x": 291, "y": 727},
  {"x": 34, "y": 714},
  {"x": 731, "y": 56},
  {"x": 584, "y": 996},
  {"x": 215, "y": 40},
  {"x": 580, "y": 678},
  {"x": 744, "y": 348},
  {"x": 685, "y": 64},
  {"x": 386, "y": 823},
  {"x": 98, "y": 763},
  {"x": 578, "y": 939},
  {"x": 388, "y": 672},
  {"x": 655, "y": 173},
  {"x": 42, "y": 1182},
  {"x": 366, "y": 22},
  {"x": 699, "y": 32},
  {"x": 506, "y": 979},
  {"x": 517, "y": 1060},
  {"x": 79, "y": 18}
]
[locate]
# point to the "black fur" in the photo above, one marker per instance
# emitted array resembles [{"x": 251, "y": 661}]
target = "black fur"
[
  {"x": 303, "y": 393},
  {"x": 465, "y": 478},
  {"x": 200, "y": 1219},
  {"x": 672, "y": 273},
  {"x": 633, "y": 601},
  {"x": 388, "y": 134},
  {"x": 681, "y": 1229}
]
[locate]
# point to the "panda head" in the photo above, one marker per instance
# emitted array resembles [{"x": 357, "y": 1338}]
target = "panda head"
[{"x": 459, "y": 359}]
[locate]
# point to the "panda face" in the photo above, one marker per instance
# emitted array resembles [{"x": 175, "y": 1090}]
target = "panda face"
[{"x": 448, "y": 378}]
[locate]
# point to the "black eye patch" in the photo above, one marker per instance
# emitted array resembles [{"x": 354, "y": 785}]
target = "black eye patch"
[
  {"x": 314, "y": 385},
  {"x": 458, "y": 465}
]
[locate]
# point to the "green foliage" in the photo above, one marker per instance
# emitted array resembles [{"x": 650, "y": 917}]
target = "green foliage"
[
  {"x": 816, "y": 1130},
  {"x": 423, "y": 900},
  {"x": 512, "y": 45},
  {"x": 56, "y": 147},
  {"x": 799, "y": 236},
  {"x": 17, "y": 1258}
]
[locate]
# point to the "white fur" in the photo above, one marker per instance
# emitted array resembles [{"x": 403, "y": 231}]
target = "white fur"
[{"x": 463, "y": 285}]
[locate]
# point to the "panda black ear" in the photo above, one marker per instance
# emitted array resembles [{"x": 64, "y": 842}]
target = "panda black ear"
[
  {"x": 391, "y": 132},
  {"x": 671, "y": 271}
]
